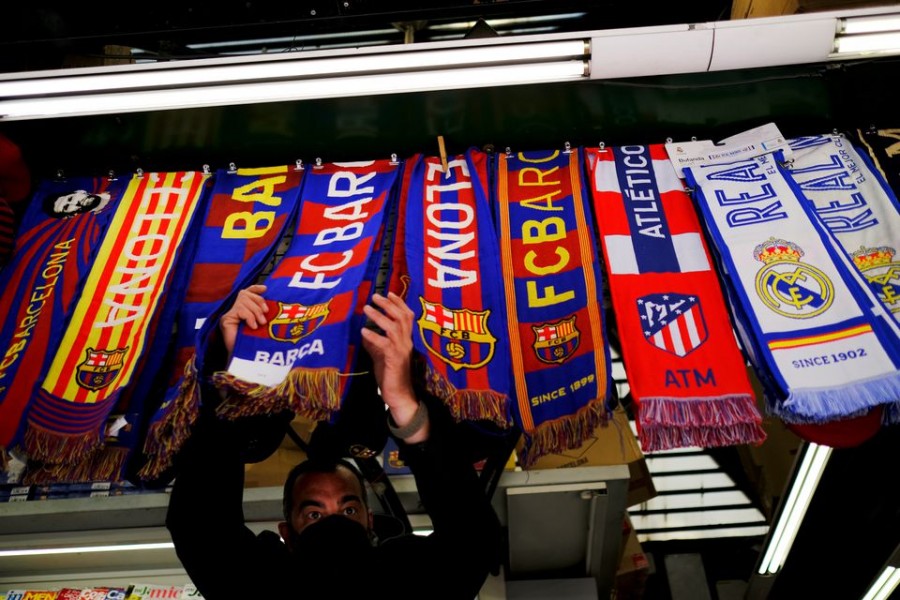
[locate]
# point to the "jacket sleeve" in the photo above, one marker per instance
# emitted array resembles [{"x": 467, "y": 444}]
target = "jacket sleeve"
[
  {"x": 466, "y": 542},
  {"x": 205, "y": 515}
]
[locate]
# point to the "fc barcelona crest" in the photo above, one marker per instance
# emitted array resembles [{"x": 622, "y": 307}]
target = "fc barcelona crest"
[
  {"x": 673, "y": 322},
  {"x": 555, "y": 342},
  {"x": 296, "y": 321},
  {"x": 460, "y": 338},
  {"x": 99, "y": 368}
]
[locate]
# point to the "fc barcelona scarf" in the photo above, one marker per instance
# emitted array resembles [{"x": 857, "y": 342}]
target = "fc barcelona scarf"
[
  {"x": 551, "y": 274},
  {"x": 685, "y": 371},
  {"x": 801, "y": 309},
  {"x": 107, "y": 334},
  {"x": 246, "y": 216},
  {"x": 60, "y": 234},
  {"x": 446, "y": 252},
  {"x": 315, "y": 295}
]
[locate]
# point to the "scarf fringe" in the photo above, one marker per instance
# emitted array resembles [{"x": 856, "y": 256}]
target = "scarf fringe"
[
  {"x": 565, "y": 433},
  {"x": 166, "y": 436},
  {"x": 311, "y": 393},
  {"x": 104, "y": 464},
  {"x": 820, "y": 405},
  {"x": 470, "y": 405},
  {"x": 667, "y": 423},
  {"x": 891, "y": 414},
  {"x": 52, "y": 447}
]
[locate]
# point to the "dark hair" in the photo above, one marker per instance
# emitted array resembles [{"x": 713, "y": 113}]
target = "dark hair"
[
  {"x": 317, "y": 465},
  {"x": 50, "y": 200}
]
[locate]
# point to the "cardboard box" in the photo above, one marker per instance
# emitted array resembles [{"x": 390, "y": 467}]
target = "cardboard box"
[
  {"x": 272, "y": 471},
  {"x": 611, "y": 444},
  {"x": 634, "y": 567}
]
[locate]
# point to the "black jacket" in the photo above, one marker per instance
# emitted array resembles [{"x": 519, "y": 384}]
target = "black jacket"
[{"x": 225, "y": 560}]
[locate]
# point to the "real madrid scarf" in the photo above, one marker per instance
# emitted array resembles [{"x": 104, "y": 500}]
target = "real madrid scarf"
[
  {"x": 247, "y": 214},
  {"x": 446, "y": 266},
  {"x": 684, "y": 368},
  {"x": 810, "y": 328},
  {"x": 559, "y": 352},
  {"x": 59, "y": 237},
  {"x": 315, "y": 294},
  {"x": 108, "y": 331}
]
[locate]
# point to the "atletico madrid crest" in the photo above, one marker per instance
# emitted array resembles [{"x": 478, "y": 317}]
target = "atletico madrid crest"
[
  {"x": 460, "y": 338},
  {"x": 99, "y": 368},
  {"x": 672, "y": 322},
  {"x": 555, "y": 342},
  {"x": 296, "y": 321}
]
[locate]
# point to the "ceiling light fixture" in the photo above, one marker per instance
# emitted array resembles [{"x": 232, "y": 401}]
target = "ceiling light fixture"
[
  {"x": 884, "y": 585},
  {"x": 867, "y": 35},
  {"x": 83, "y": 549}
]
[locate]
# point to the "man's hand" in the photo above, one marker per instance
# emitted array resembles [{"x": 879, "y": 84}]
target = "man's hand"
[
  {"x": 249, "y": 307},
  {"x": 391, "y": 357}
]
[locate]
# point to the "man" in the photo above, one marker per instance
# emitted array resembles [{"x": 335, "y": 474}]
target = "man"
[
  {"x": 328, "y": 549},
  {"x": 74, "y": 203}
]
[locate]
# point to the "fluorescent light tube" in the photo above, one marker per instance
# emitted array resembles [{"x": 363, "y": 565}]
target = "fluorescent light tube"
[
  {"x": 854, "y": 25},
  {"x": 885, "y": 585},
  {"x": 815, "y": 459},
  {"x": 250, "y": 93},
  {"x": 83, "y": 549},
  {"x": 195, "y": 73},
  {"x": 868, "y": 43}
]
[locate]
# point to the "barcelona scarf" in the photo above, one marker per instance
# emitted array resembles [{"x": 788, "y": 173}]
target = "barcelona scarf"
[
  {"x": 60, "y": 234},
  {"x": 315, "y": 295},
  {"x": 551, "y": 275},
  {"x": 803, "y": 316},
  {"x": 247, "y": 214},
  {"x": 110, "y": 325},
  {"x": 685, "y": 371},
  {"x": 446, "y": 252}
]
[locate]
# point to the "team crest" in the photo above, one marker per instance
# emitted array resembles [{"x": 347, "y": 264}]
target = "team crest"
[
  {"x": 460, "y": 338},
  {"x": 99, "y": 368},
  {"x": 555, "y": 342},
  {"x": 787, "y": 286},
  {"x": 882, "y": 274},
  {"x": 296, "y": 321},
  {"x": 673, "y": 322}
]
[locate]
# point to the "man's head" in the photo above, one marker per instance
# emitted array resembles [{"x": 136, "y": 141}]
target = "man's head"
[
  {"x": 74, "y": 203},
  {"x": 316, "y": 489}
]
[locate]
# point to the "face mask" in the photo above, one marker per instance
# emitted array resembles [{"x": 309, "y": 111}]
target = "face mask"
[{"x": 333, "y": 536}]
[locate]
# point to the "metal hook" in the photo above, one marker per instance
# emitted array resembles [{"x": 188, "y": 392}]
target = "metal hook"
[
  {"x": 567, "y": 148},
  {"x": 298, "y": 165},
  {"x": 206, "y": 169},
  {"x": 139, "y": 172},
  {"x": 60, "y": 174},
  {"x": 232, "y": 168},
  {"x": 318, "y": 163},
  {"x": 693, "y": 138},
  {"x": 111, "y": 175},
  {"x": 508, "y": 151},
  {"x": 669, "y": 140},
  {"x": 602, "y": 146},
  {"x": 394, "y": 160}
]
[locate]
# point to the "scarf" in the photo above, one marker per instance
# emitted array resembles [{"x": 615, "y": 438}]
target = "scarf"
[
  {"x": 883, "y": 148},
  {"x": 446, "y": 266},
  {"x": 247, "y": 214},
  {"x": 804, "y": 316},
  {"x": 56, "y": 245},
  {"x": 553, "y": 289},
  {"x": 315, "y": 297},
  {"x": 112, "y": 322},
  {"x": 685, "y": 371}
]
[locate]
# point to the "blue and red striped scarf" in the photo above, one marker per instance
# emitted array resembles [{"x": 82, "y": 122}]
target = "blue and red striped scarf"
[
  {"x": 300, "y": 359},
  {"x": 53, "y": 255},
  {"x": 112, "y": 322},
  {"x": 247, "y": 213},
  {"x": 552, "y": 279},
  {"x": 445, "y": 264},
  {"x": 686, "y": 374}
]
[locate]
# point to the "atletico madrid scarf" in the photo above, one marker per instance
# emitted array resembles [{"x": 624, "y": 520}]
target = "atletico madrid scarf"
[
  {"x": 53, "y": 254},
  {"x": 803, "y": 314},
  {"x": 246, "y": 216},
  {"x": 315, "y": 297},
  {"x": 446, "y": 253},
  {"x": 684, "y": 368},
  {"x": 110, "y": 325},
  {"x": 558, "y": 345}
]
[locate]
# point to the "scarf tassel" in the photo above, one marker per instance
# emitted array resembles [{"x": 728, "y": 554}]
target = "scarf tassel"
[
  {"x": 52, "y": 447},
  {"x": 295, "y": 393},
  {"x": 103, "y": 464},
  {"x": 667, "y": 423},
  {"x": 470, "y": 405},
  {"x": 892, "y": 414},
  {"x": 166, "y": 437},
  {"x": 818, "y": 405},
  {"x": 564, "y": 433}
]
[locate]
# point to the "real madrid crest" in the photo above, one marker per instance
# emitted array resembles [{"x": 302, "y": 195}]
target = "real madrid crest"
[
  {"x": 881, "y": 272},
  {"x": 789, "y": 287}
]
